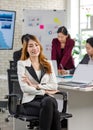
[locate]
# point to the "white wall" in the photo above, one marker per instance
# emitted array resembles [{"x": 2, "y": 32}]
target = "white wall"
[
  {"x": 18, "y": 6},
  {"x": 75, "y": 15},
  {"x": 71, "y": 6}
]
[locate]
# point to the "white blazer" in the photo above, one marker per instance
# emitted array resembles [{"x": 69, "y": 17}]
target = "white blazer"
[{"x": 47, "y": 81}]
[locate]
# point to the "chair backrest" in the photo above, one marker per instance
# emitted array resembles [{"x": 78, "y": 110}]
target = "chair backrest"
[
  {"x": 13, "y": 65},
  {"x": 14, "y": 91},
  {"x": 14, "y": 107}
]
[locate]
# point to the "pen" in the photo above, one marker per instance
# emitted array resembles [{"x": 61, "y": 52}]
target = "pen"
[{"x": 61, "y": 66}]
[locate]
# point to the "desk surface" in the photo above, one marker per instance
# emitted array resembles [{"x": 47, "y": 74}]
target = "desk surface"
[
  {"x": 86, "y": 89},
  {"x": 80, "y": 105}
]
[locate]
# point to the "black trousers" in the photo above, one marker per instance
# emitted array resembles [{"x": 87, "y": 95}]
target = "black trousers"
[{"x": 46, "y": 108}]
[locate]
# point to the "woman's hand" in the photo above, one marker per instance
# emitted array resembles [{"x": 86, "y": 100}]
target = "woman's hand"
[
  {"x": 28, "y": 81},
  {"x": 51, "y": 92},
  {"x": 62, "y": 72}
]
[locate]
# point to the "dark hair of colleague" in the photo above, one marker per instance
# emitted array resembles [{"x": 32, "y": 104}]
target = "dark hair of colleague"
[
  {"x": 17, "y": 54},
  {"x": 63, "y": 30},
  {"x": 88, "y": 57},
  {"x": 62, "y": 49}
]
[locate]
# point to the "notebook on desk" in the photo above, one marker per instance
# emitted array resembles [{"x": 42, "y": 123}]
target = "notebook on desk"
[{"x": 83, "y": 75}]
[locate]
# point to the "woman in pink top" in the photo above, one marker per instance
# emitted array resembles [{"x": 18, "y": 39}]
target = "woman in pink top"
[{"x": 62, "y": 50}]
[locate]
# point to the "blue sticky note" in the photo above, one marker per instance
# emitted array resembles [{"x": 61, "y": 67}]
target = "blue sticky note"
[
  {"x": 67, "y": 76},
  {"x": 64, "y": 76}
]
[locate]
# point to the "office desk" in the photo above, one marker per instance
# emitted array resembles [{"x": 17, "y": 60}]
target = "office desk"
[{"x": 80, "y": 104}]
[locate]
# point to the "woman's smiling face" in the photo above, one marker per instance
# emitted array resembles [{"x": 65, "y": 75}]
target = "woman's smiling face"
[{"x": 33, "y": 48}]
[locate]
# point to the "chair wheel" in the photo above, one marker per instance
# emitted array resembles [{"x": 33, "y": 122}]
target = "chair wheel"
[
  {"x": 6, "y": 120},
  {"x": 29, "y": 127}
]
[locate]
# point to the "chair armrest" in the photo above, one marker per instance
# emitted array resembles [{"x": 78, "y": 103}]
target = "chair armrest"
[
  {"x": 17, "y": 96},
  {"x": 14, "y": 101},
  {"x": 64, "y": 94}
]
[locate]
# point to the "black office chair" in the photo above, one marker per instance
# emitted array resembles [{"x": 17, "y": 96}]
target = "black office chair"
[
  {"x": 15, "y": 97},
  {"x": 13, "y": 65}
]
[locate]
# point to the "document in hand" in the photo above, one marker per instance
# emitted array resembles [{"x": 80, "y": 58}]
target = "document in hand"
[{"x": 83, "y": 75}]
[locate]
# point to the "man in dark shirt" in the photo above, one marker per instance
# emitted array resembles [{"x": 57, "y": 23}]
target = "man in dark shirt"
[{"x": 17, "y": 54}]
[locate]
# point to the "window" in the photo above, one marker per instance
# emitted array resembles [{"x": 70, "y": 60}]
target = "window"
[
  {"x": 86, "y": 22},
  {"x": 86, "y": 12}
]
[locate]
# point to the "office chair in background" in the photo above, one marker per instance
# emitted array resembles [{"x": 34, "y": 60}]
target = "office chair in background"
[{"x": 15, "y": 98}]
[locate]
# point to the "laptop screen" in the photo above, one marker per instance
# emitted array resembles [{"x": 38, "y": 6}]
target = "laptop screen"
[
  {"x": 83, "y": 73},
  {"x": 54, "y": 62}
]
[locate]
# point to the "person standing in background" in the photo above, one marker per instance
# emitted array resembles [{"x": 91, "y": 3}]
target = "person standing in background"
[{"x": 62, "y": 50}]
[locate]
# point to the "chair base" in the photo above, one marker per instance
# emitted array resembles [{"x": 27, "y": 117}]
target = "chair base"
[
  {"x": 33, "y": 124},
  {"x": 65, "y": 116}
]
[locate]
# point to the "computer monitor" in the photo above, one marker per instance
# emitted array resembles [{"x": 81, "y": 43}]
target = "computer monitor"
[{"x": 7, "y": 27}]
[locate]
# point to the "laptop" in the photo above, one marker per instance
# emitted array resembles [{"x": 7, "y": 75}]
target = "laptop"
[
  {"x": 55, "y": 67},
  {"x": 83, "y": 76},
  {"x": 54, "y": 62}
]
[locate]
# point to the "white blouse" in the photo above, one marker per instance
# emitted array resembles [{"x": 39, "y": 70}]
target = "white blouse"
[{"x": 38, "y": 72}]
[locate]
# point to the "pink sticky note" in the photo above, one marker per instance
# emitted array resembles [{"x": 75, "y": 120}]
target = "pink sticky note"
[{"x": 41, "y": 26}]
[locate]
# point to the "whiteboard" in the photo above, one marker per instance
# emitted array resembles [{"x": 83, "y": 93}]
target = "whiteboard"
[{"x": 44, "y": 25}]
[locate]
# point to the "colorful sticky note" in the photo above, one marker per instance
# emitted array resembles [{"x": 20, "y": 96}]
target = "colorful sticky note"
[
  {"x": 56, "y": 20},
  {"x": 41, "y": 26}
]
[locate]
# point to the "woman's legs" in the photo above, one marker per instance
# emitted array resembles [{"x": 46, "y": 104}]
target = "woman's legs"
[
  {"x": 49, "y": 115},
  {"x": 33, "y": 107},
  {"x": 46, "y": 108},
  {"x": 46, "y": 113},
  {"x": 56, "y": 124}
]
